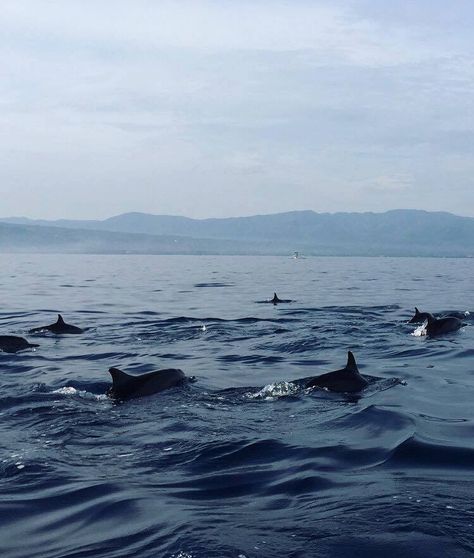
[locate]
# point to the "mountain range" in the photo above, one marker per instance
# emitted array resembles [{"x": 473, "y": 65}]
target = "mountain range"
[{"x": 393, "y": 233}]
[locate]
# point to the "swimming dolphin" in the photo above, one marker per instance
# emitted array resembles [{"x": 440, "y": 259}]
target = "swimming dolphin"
[
  {"x": 438, "y": 326},
  {"x": 419, "y": 317},
  {"x": 126, "y": 386},
  {"x": 59, "y": 327},
  {"x": 12, "y": 343},
  {"x": 276, "y": 300},
  {"x": 345, "y": 380}
]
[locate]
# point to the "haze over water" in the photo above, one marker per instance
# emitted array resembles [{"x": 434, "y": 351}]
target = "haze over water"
[{"x": 223, "y": 467}]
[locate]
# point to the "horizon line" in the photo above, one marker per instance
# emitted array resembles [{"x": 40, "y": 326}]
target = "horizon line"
[{"x": 133, "y": 212}]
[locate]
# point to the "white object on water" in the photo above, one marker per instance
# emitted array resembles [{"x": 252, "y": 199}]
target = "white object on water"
[
  {"x": 278, "y": 389},
  {"x": 420, "y": 330},
  {"x": 81, "y": 393}
]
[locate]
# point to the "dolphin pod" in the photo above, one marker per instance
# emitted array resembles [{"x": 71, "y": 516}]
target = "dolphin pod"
[
  {"x": 59, "y": 327},
  {"x": 126, "y": 386},
  {"x": 12, "y": 343}
]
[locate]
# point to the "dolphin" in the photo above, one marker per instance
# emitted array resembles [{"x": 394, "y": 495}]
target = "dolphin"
[
  {"x": 345, "y": 380},
  {"x": 59, "y": 327},
  {"x": 419, "y": 317},
  {"x": 276, "y": 300},
  {"x": 439, "y": 326},
  {"x": 126, "y": 386},
  {"x": 12, "y": 343}
]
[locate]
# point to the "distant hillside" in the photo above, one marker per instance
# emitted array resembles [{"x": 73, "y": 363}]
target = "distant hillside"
[
  {"x": 396, "y": 233},
  {"x": 43, "y": 239}
]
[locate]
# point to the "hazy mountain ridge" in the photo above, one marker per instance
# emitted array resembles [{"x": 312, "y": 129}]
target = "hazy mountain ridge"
[
  {"x": 396, "y": 232},
  {"x": 43, "y": 239}
]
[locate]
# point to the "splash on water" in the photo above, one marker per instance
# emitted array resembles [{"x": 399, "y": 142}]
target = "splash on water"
[
  {"x": 420, "y": 330},
  {"x": 277, "y": 389},
  {"x": 73, "y": 392}
]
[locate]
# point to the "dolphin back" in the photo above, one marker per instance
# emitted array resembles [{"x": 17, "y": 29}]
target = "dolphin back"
[
  {"x": 60, "y": 326},
  {"x": 277, "y": 300},
  {"x": 12, "y": 343},
  {"x": 442, "y": 325},
  {"x": 126, "y": 386},
  {"x": 346, "y": 380}
]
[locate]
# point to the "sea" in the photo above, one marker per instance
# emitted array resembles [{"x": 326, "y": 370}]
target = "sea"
[{"x": 241, "y": 463}]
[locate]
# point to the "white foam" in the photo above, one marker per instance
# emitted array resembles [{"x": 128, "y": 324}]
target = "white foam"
[
  {"x": 420, "y": 330},
  {"x": 18, "y": 460},
  {"x": 71, "y": 391},
  {"x": 278, "y": 389}
]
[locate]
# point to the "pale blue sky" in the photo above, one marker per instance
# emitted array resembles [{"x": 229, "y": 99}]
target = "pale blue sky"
[{"x": 224, "y": 108}]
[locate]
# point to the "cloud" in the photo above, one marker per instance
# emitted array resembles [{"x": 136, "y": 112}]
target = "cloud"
[
  {"x": 276, "y": 105},
  {"x": 109, "y": 28}
]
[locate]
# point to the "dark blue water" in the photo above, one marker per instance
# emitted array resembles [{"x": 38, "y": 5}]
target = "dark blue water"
[{"x": 236, "y": 464}]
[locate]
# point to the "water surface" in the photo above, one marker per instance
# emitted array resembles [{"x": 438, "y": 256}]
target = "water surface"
[{"x": 235, "y": 465}]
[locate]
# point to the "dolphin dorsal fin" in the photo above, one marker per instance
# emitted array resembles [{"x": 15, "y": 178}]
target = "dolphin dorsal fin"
[
  {"x": 119, "y": 378},
  {"x": 60, "y": 319},
  {"x": 351, "y": 362}
]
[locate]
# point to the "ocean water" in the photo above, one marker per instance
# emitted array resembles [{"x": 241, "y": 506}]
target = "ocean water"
[{"x": 238, "y": 464}]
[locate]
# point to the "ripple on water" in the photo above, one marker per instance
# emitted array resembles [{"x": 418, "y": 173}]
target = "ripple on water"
[{"x": 215, "y": 471}]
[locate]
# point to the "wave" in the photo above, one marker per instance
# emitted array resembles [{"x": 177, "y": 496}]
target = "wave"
[{"x": 246, "y": 462}]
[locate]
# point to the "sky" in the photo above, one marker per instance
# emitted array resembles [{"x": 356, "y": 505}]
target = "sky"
[{"x": 220, "y": 108}]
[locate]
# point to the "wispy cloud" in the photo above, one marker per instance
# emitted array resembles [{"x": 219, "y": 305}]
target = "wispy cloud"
[{"x": 273, "y": 104}]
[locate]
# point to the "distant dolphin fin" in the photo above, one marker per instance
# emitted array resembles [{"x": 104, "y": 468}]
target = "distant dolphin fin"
[
  {"x": 351, "y": 363},
  {"x": 416, "y": 311},
  {"x": 60, "y": 320}
]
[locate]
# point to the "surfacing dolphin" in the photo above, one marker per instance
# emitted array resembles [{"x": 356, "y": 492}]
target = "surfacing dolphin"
[
  {"x": 12, "y": 343},
  {"x": 439, "y": 326},
  {"x": 276, "y": 300},
  {"x": 345, "y": 380},
  {"x": 126, "y": 386},
  {"x": 58, "y": 327},
  {"x": 419, "y": 317}
]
